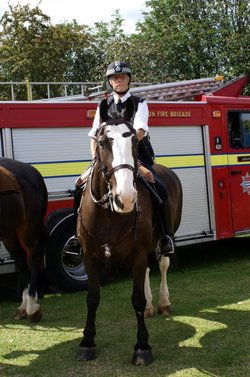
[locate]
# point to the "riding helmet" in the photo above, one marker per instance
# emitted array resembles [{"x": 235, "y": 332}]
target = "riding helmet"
[{"x": 118, "y": 67}]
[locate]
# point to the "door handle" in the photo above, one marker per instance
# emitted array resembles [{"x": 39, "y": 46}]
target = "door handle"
[{"x": 235, "y": 172}]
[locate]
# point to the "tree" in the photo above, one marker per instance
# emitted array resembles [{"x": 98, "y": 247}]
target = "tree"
[
  {"x": 185, "y": 39},
  {"x": 235, "y": 36},
  {"x": 176, "y": 40},
  {"x": 31, "y": 47},
  {"x": 109, "y": 43}
]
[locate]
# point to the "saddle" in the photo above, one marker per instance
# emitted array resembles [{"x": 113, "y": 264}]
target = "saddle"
[{"x": 8, "y": 182}]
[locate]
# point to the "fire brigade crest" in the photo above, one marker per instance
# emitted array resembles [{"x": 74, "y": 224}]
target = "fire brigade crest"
[{"x": 246, "y": 183}]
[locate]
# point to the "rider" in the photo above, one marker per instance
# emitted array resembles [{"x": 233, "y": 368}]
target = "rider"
[{"x": 118, "y": 76}]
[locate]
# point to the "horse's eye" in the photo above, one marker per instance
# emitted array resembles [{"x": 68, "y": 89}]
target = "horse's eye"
[
  {"x": 126, "y": 134},
  {"x": 105, "y": 142},
  {"x": 101, "y": 143}
]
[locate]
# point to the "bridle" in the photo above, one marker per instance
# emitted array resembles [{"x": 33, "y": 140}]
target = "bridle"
[
  {"x": 110, "y": 172},
  {"x": 106, "y": 200}
]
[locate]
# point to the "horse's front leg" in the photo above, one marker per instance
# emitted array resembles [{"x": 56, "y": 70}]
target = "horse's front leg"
[
  {"x": 87, "y": 349},
  {"x": 149, "y": 310},
  {"x": 164, "y": 306},
  {"x": 142, "y": 350}
]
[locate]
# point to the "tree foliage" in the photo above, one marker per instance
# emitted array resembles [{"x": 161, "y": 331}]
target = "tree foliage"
[
  {"x": 108, "y": 42},
  {"x": 196, "y": 38},
  {"x": 32, "y": 48},
  {"x": 177, "y": 39}
]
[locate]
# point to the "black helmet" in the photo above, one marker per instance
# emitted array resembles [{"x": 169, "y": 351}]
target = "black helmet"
[{"x": 117, "y": 68}]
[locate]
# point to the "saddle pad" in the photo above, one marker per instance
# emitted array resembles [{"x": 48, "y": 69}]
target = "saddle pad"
[{"x": 8, "y": 181}]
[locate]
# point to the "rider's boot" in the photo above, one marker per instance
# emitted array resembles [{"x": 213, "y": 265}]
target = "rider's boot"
[
  {"x": 166, "y": 242},
  {"x": 73, "y": 244},
  {"x": 166, "y": 245}
]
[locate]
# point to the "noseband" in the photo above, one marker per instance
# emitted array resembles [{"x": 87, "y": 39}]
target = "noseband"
[{"x": 118, "y": 167}]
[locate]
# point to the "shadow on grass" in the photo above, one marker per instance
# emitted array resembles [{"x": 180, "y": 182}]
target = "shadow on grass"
[
  {"x": 207, "y": 335},
  {"x": 176, "y": 347},
  {"x": 210, "y": 252}
]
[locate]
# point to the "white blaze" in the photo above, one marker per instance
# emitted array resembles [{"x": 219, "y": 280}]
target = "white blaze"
[{"x": 122, "y": 154}]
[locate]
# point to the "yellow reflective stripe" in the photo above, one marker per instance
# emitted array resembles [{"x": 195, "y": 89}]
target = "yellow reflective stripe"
[
  {"x": 233, "y": 159},
  {"x": 218, "y": 160},
  {"x": 59, "y": 169},
  {"x": 229, "y": 159},
  {"x": 181, "y": 161}
]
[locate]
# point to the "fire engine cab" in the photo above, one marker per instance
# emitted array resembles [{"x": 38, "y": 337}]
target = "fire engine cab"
[{"x": 199, "y": 128}]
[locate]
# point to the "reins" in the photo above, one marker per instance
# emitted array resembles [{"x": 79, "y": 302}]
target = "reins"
[{"x": 106, "y": 199}]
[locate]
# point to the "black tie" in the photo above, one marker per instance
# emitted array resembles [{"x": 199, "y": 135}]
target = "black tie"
[{"x": 119, "y": 106}]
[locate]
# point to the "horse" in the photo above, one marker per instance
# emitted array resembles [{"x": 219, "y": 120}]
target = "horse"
[
  {"x": 23, "y": 204},
  {"x": 117, "y": 224}
]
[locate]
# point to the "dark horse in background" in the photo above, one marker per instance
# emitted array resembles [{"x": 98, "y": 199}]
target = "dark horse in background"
[
  {"x": 117, "y": 222},
  {"x": 23, "y": 203}
]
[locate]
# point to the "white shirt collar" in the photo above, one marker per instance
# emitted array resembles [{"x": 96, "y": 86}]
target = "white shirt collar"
[{"x": 123, "y": 98}]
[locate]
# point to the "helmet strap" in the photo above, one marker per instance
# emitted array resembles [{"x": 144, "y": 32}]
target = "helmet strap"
[{"x": 121, "y": 92}]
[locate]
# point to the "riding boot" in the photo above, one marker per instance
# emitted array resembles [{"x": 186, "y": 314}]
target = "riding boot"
[
  {"x": 166, "y": 242},
  {"x": 73, "y": 245}
]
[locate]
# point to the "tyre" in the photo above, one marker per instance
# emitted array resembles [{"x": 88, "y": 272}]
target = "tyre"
[{"x": 65, "y": 269}]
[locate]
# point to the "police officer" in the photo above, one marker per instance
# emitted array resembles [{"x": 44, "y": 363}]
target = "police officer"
[{"x": 118, "y": 76}]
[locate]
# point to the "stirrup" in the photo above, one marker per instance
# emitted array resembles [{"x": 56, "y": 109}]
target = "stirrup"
[{"x": 166, "y": 246}]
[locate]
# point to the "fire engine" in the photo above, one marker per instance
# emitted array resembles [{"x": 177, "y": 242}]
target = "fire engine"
[{"x": 199, "y": 128}]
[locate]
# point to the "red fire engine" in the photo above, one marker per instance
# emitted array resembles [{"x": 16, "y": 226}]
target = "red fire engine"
[{"x": 199, "y": 128}]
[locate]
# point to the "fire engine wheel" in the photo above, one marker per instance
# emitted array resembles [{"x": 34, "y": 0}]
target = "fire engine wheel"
[{"x": 65, "y": 270}]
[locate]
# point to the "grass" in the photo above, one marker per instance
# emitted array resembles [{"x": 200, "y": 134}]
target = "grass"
[{"x": 207, "y": 334}]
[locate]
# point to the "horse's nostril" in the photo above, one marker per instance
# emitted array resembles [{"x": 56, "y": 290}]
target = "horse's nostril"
[{"x": 118, "y": 202}]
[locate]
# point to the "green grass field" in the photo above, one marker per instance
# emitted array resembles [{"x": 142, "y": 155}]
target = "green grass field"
[{"x": 207, "y": 334}]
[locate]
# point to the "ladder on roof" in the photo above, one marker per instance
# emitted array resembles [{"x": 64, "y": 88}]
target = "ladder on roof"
[{"x": 176, "y": 91}]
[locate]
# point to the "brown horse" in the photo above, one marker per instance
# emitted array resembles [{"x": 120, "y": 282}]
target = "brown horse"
[
  {"x": 117, "y": 222},
  {"x": 23, "y": 203}
]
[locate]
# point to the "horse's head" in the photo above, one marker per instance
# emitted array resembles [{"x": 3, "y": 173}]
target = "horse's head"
[{"x": 117, "y": 154}]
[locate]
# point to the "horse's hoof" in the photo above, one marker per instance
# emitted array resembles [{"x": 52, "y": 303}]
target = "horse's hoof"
[
  {"x": 148, "y": 313},
  {"x": 20, "y": 315},
  {"x": 36, "y": 317},
  {"x": 86, "y": 354},
  {"x": 164, "y": 310},
  {"x": 142, "y": 357}
]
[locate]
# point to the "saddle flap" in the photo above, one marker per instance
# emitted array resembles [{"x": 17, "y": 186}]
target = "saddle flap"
[{"x": 8, "y": 181}]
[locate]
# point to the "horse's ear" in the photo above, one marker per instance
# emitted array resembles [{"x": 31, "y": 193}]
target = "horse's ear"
[
  {"x": 129, "y": 109},
  {"x": 104, "y": 110}
]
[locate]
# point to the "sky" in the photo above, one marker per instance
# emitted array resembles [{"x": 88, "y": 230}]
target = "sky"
[{"x": 85, "y": 12}]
